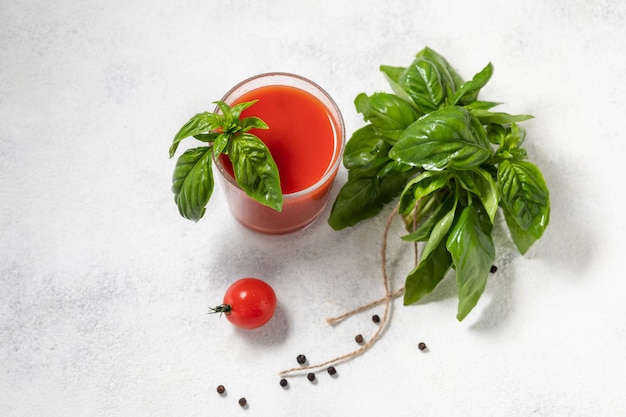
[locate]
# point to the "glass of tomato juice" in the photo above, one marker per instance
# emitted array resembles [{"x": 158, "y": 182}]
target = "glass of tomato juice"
[{"x": 306, "y": 137}]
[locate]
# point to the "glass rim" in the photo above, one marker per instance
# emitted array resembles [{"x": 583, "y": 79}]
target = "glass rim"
[{"x": 337, "y": 117}]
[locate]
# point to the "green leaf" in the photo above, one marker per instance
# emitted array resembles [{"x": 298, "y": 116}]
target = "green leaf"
[
  {"x": 252, "y": 122},
  {"x": 496, "y": 134},
  {"x": 367, "y": 191},
  {"x": 192, "y": 182},
  {"x": 486, "y": 117},
  {"x": 393, "y": 75},
  {"x": 429, "y": 272},
  {"x": 525, "y": 195},
  {"x": 480, "y": 183},
  {"x": 441, "y": 227},
  {"x": 419, "y": 187},
  {"x": 481, "y": 105},
  {"x": 200, "y": 123},
  {"x": 473, "y": 253},
  {"x": 426, "y": 82},
  {"x": 220, "y": 144},
  {"x": 363, "y": 147},
  {"x": 514, "y": 137},
  {"x": 427, "y": 213},
  {"x": 451, "y": 78},
  {"x": 388, "y": 114},
  {"x": 356, "y": 201},
  {"x": 422, "y": 82},
  {"x": 255, "y": 170},
  {"x": 230, "y": 119},
  {"x": 468, "y": 92},
  {"x": 207, "y": 137},
  {"x": 450, "y": 137},
  {"x": 224, "y": 108},
  {"x": 236, "y": 110},
  {"x": 521, "y": 238}
]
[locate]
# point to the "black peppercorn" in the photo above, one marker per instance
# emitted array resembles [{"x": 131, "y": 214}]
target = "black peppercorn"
[
  {"x": 358, "y": 338},
  {"x": 310, "y": 376},
  {"x": 243, "y": 402},
  {"x": 283, "y": 382},
  {"x": 376, "y": 318},
  {"x": 421, "y": 346},
  {"x": 331, "y": 370},
  {"x": 301, "y": 359},
  {"x": 221, "y": 389},
  {"x": 493, "y": 269}
]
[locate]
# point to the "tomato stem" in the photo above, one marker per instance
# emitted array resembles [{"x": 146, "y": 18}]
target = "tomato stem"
[{"x": 222, "y": 308}]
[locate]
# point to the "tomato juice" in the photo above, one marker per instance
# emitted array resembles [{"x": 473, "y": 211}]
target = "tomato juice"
[{"x": 305, "y": 138}]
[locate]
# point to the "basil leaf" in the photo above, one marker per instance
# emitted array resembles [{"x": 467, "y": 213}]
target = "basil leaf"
[
  {"x": 468, "y": 92},
  {"x": 426, "y": 82},
  {"x": 427, "y": 212},
  {"x": 255, "y": 170},
  {"x": 422, "y": 82},
  {"x": 388, "y": 114},
  {"x": 252, "y": 122},
  {"x": 450, "y": 137},
  {"x": 237, "y": 109},
  {"x": 369, "y": 169},
  {"x": 393, "y": 75},
  {"x": 356, "y": 201},
  {"x": 229, "y": 119},
  {"x": 367, "y": 190},
  {"x": 486, "y": 117},
  {"x": 525, "y": 195},
  {"x": 422, "y": 185},
  {"x": 521, "y": 238},
  {"x": 481, "y": 105},
  {"x": 480, "y": 183},
  {"x": 473, "y": 253},
  {"x": 496, "y": 134},
  {"x": 450, "y": 77},
  {"x": 514, "y": 138},
  {"x": 440, "y": 229},
  {"x": 221, "y": 142},
  {"x": 207, "y": 137},
  {"x": 200, "y": 123},
  {"x": 364, "y": 145},
  {"x": 430, "y": 270},
  {"x": 224, "y": 108},
  {"x": 509, "y": 140},
  {"x": 192, "y": 182}
]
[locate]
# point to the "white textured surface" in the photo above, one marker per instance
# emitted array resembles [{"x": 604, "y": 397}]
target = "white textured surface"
[{"x": 104, "y": 289}]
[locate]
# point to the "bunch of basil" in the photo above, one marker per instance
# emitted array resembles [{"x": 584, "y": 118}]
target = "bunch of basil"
[
  {"x": 224, "y": 132},
  {"x": 453, "y": 162}
]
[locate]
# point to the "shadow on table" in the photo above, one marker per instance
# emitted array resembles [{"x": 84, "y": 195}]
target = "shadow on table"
[
  {"x": 273, "y": 333},
  {"x": 565, "y": 249}
]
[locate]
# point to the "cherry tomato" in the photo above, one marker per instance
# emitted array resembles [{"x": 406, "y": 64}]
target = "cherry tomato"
[{"x": 248, "y": 303}]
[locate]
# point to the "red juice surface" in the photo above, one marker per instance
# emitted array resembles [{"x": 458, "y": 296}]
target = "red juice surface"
[{"x": 301, "y": 134}]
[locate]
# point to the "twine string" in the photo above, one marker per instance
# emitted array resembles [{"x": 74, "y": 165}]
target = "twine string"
[
  {"x": 385, "y": 319},
  {"x": 334, "y": 320},
  {"x": 397, "y": 293}
]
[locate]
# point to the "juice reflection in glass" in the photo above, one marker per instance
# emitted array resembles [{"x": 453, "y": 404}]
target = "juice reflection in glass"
[{"x": 306, "y": 139}]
